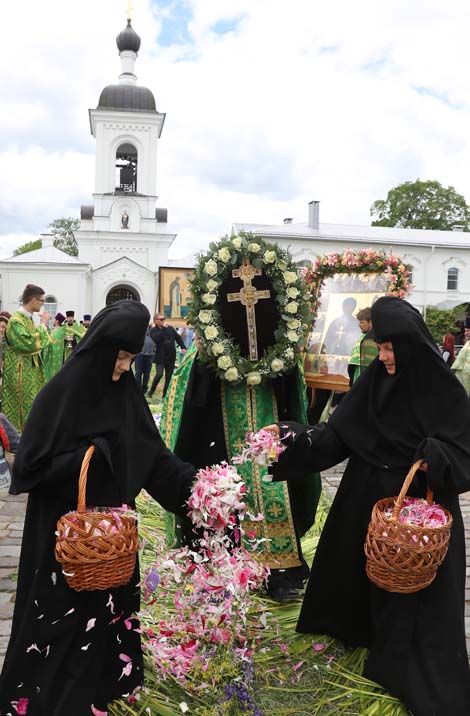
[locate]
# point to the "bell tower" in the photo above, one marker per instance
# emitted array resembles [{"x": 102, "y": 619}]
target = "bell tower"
[{"x": 124, "y": 220}]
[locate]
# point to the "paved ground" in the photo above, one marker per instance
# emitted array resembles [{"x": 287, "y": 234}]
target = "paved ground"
[{"x": 12, "y": 509}]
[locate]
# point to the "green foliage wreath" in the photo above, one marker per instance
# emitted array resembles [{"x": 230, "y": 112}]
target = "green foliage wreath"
[{"x": 219, "y": 349}]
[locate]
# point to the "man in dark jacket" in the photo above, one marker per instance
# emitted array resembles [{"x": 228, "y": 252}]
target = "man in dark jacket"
[{"x": 164, "y": 338}]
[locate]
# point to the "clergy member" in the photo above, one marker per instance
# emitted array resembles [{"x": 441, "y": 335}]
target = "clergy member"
[
  {"x": 53, "y": 353},
  {"x": 74, "y": 332},
  {"x": 23, "y": 374},
  {"x": 206, "y": 416}
]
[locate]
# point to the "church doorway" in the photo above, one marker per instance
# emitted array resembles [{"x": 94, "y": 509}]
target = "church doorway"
[{"x": 118, "y": 293}]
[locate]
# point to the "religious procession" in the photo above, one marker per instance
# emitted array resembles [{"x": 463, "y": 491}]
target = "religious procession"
[{"x": 237, "y": 482}]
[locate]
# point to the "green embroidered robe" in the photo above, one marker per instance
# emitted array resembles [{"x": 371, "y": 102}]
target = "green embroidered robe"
[
  {"x": 461, "y": 367},
  {"x": 77, "y": 332},
  {"x": 215, "y": 430},
  {"x": 53, "y": 353},
  {"x": 23, "y": 374}
]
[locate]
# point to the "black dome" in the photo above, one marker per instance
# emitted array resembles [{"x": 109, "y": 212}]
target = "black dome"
[
  {"x": 128, "y": 39},
  {"x": 128, "y": 97}
]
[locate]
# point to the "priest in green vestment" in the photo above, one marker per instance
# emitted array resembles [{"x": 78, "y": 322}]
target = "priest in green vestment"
[
  {"x": 242, "y": 373},
  {"x": 23, "y": 374},
  {"x": 53, "y": 353},
  {"x": 365, "y": 349},
  {"x": 74, "y": 333}
]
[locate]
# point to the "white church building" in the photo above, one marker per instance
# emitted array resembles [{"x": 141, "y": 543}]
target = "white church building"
[{"x": 123, "y": 237}]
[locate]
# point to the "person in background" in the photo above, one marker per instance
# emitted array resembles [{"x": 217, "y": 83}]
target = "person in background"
[
  {"x": 164, "y": 338},
  {"x": 365, "y": 349},
  {"x": 9, "y": 441},
  {"x": 448, "y": 348},
  {"x": 74, "y": 332},
  {"x": 53, "y": 353},
  {"x": 86, "y": 321},
  {"x": 143, "y": 362},
  {"x": 187, "y": 334},
  {"x": 23, "y": 373},
  {"x": 461, "y": 366},
  {"x": 3, "y": 327}
]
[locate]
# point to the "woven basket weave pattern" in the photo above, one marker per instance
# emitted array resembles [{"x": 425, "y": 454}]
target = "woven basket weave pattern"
[
  {"x": 97, "y": 550},
  {"x": 403, "y": 558}
]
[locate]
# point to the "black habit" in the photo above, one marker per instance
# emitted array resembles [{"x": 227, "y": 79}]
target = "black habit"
[
  {"x": 65, "y": 646},
  {"x": 386, "y": 422}
]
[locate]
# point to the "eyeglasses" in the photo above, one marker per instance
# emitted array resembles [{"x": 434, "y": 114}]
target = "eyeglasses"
[{"x": 41, "y": 300}]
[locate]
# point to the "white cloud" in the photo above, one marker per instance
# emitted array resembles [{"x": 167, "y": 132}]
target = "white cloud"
[{"x": 335, "y": 101}]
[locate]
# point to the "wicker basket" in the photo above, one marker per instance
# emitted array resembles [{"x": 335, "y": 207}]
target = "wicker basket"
[
  {"x": 400, "y": 557},
  {"x": 97, "y": 550}
]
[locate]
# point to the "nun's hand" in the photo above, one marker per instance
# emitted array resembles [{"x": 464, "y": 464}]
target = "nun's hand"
[
  {"x": 424, "y": 466},
  {"x": 274, "y": 430}
]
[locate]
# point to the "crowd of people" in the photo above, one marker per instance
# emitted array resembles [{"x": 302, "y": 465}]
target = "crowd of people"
[{"x": 404, "y": 404}]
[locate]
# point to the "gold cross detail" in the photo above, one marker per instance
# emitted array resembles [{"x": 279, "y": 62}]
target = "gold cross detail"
[
  {"x": 238, "y": 445},
  {"x": 275, "y": 510},
  {"x": 249, "y": 297}
]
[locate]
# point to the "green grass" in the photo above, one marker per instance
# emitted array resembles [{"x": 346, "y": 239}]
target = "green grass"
[{"x": 327, "y": 683}]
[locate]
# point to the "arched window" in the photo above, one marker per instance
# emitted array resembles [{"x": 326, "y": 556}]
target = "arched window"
[
  {"x": 118, "y": 293},
  {"x": 126, "y": 168},
  {"x": 50, "y": 306},
  {"x": 452, "y": 279}
]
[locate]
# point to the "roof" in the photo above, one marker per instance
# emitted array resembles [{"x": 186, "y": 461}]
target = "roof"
[
  {"x": 131, "y": 98},
  {"x": 364, "y": 234},
  {"x": 48, "y": 255},
  {"x": 128, "y": 39}
]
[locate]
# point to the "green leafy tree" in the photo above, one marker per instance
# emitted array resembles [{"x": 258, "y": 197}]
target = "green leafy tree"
[
  {"x": 64, "y": 237},
  {"x": 442, "y": 322},
  {"x": 28, "y": 246},
  {"x": 422, "y": 205}
]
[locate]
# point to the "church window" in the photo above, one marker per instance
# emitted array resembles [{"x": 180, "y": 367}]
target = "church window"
[
  {"x": 119, "y": 293},
  {"x": 126, "y": 168},
  {"x": 452, "y": 279},
  {"x": 50, "y": 306}
]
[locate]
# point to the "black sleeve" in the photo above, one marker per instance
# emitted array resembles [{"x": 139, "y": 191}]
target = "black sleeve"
[
  {"x": 171, "y": 481},
  {"x": 309, "y": 449},
  {"x": 448, "y": 466},
  {"x": 179, "y": 340}
]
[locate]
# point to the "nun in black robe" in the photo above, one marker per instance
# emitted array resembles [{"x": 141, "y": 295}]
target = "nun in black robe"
[
  {"x": 416, "y": 642},
  {"x": 64, "y": 654}
]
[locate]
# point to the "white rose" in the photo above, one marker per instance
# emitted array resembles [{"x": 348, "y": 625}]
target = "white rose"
[
  {"x": 294, "y": 323},
  {"x": 205, "y": 316},
  {"x": 254, "y": 248},
  {"x": 210, "y": 267},
  {"x": 291, "y": 307},
  {"x": 269, "y": 257},
  {"x": 253, "y": 378},
  {"x": 224, "y": 254},
  {"x": 237, "y": 242},
  {"x": 218, "y": 348},
  {"x": 212, "y": 285},
  {"x": 289, "y": 354},
  {"x": 292, "y": 292},
  {"x": 277, "y": 364},
  {"x": 224, "y": 362},
  {"x": 209, "y": 298},
  {"x": 231, "y": 374},
  {"x": 282, "y": 265},
  {"x": 292, "y": 336},
  {"x": 211, "y": 332},
  {"x": 290, "y": 276}
]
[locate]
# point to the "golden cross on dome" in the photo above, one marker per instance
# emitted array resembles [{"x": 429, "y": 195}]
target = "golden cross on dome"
[{"x": 249, "y": 297}]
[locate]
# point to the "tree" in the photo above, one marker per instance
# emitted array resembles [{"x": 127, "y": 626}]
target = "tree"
[
  {"x": 422, "y": 205},
  {"x": 63, "y": 231},
  {"x": 442, "y": 322},
  {"x": 29, "y": 246}
]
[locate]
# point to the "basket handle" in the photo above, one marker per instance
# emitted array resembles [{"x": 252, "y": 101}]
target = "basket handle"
[
  {"x": 408, "y": 480},
  {"x": 81, "y": 507}
]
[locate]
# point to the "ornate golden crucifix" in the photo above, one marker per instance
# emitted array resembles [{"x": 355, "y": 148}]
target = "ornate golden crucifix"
[{"x": 249, "y": 297}]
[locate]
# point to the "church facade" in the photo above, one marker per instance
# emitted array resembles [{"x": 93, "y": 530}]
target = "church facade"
[{"x": 124, "y": 237}]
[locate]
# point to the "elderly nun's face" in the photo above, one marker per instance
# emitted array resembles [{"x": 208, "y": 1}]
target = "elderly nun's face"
[
  {"x": 387, "y": 356},
  {"x": 123, "y": 364}
]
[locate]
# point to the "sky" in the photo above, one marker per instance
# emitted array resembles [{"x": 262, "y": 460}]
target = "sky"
[{"x": 269, "y": 104}]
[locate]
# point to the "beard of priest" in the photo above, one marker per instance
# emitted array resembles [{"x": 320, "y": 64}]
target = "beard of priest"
[{"x": 205, "y": 421}]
